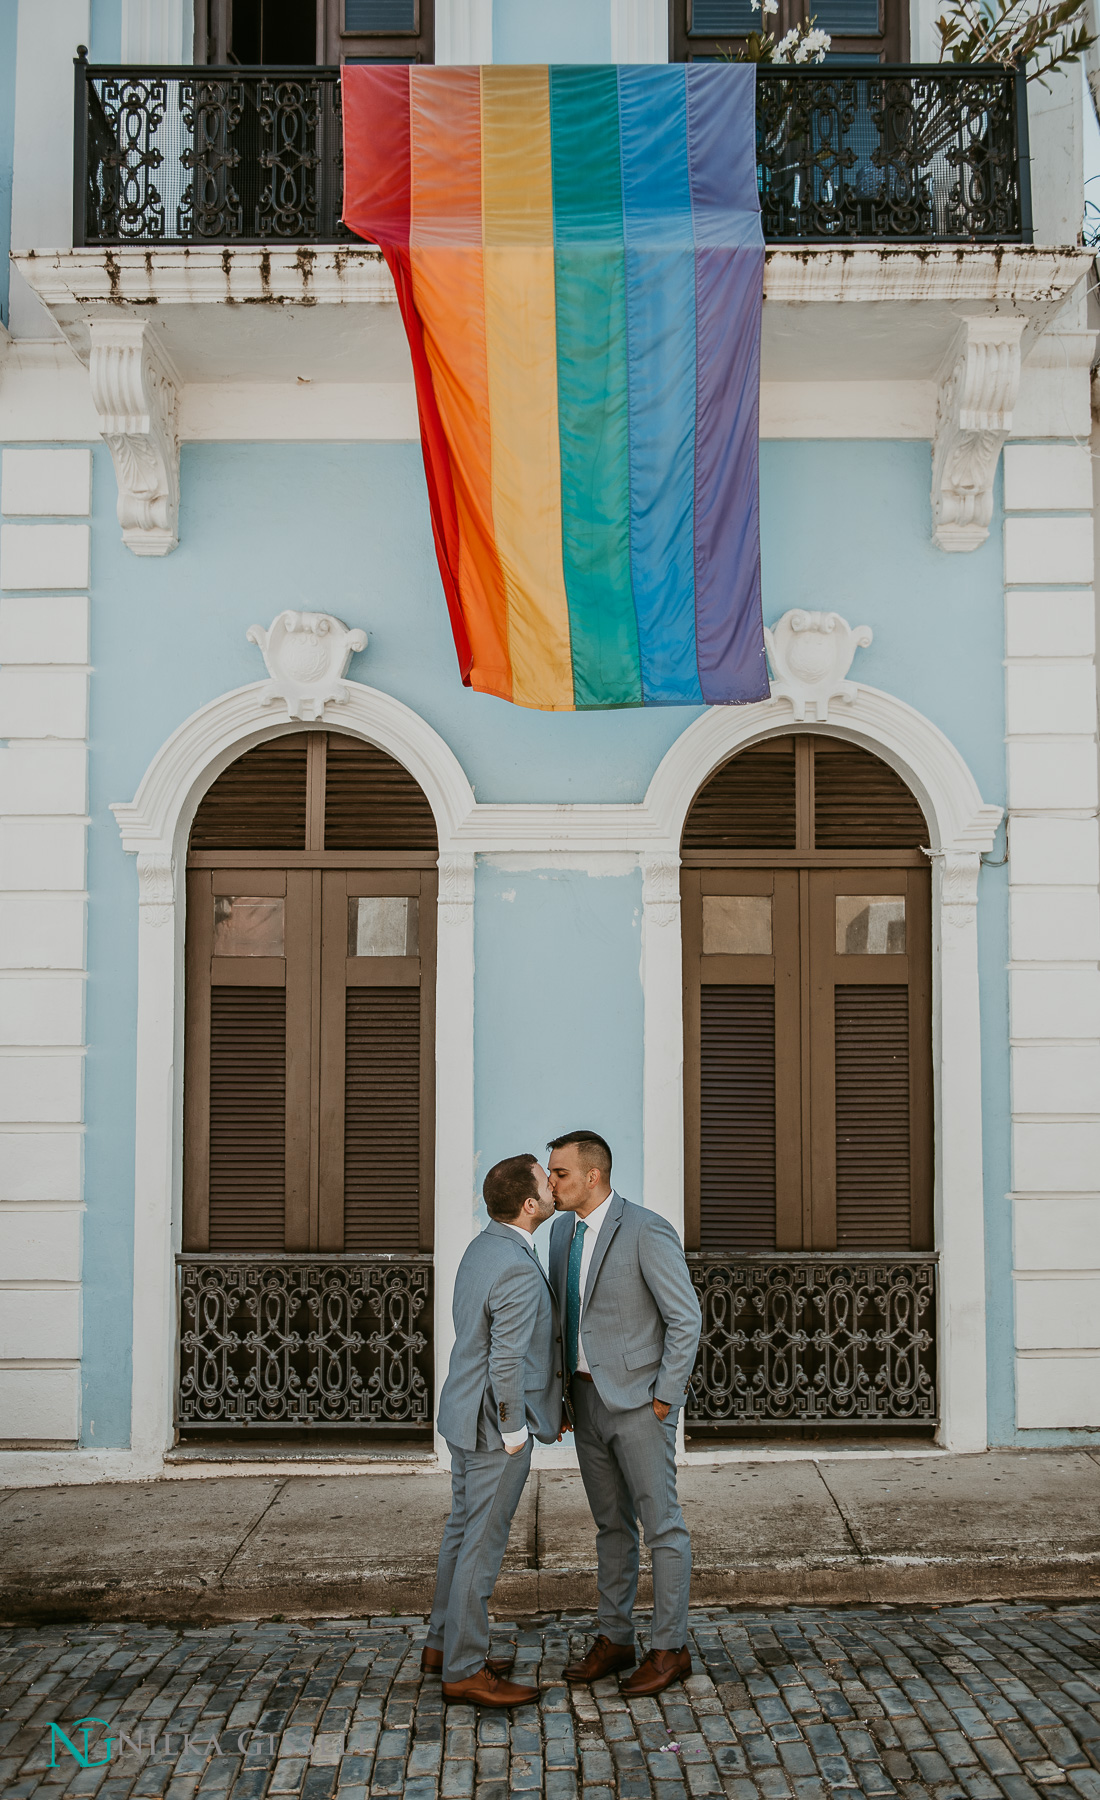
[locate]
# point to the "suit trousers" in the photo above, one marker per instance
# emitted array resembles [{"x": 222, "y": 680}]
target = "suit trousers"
[
  {"x": 485, "y": 1490},
  {"x": 628, "y": 1466}
]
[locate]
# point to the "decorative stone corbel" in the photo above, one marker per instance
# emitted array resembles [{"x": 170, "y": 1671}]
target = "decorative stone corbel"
[
  {"x": 134, "y": 391},
  {"x": 956, "y": 872},
  {"x": 156, "y": 886},
  {"x": 307, "y": 656},
  {"x": 661, "y": 889},
  {"x": 979, "y": 383},
  {"x": 456, "y": 887},
  {"x": 810, "y": 655}
]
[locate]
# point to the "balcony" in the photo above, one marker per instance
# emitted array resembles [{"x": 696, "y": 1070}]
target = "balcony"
[{"x": 897, "y": 155}]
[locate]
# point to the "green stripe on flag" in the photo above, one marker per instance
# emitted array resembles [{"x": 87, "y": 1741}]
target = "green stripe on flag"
[{"x": 593, "y": 424}]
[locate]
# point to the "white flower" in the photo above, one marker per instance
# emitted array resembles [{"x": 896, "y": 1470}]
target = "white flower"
[
  {"x": 801, "y": 55},
  {"x": 771, "y": 6},
  {"x": 755, "y": 4},
  {"x": 786, "y": 45}
]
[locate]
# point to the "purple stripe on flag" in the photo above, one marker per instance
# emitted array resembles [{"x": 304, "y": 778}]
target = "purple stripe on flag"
[{"x": 729, "y": 260}]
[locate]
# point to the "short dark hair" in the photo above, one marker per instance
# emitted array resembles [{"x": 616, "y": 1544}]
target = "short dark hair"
[
  {"x": 590, "y": 1146},
  {"x": 508, "y": 1184}
]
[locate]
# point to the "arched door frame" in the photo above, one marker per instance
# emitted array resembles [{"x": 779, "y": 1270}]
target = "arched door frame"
[
  {"x": 961, "y": 827},
  {"x": 155, "y": 827}
]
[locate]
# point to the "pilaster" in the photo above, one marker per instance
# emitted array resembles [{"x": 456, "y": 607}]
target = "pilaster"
[
  {"x": 43, "y": 777},
  {"x": 1054, "y": 985}
]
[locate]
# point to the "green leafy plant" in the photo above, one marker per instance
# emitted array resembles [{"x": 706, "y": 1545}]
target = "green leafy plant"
[{"x": 1037, "y": 39}]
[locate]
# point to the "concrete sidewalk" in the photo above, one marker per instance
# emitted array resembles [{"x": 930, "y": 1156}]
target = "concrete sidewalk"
[{"x": 1005, "y": 1525}]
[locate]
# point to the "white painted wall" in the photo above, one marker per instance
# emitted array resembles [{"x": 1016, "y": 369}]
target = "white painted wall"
[
  {"x": 1054, "y": 985},
  {"x": 43, "y": 775},
  {"x": 1055, "y": 128}
]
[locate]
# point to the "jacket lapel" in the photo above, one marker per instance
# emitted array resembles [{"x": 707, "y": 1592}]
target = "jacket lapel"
[
  {"x": 559, "y": 1251},
  {"x": 602, "y": 1245},
  {"x": 526, "y": 1244}
]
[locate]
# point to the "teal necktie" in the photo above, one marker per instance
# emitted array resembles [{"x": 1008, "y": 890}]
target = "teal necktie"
[{"x": 573, "y": 1295}]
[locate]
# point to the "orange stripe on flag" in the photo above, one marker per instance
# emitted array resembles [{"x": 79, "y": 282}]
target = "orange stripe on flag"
[
  {"x": 523, "y": 382},
  {"x": 448, "y": 284}
]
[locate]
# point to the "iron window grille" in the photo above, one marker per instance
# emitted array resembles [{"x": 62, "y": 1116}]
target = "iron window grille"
[
  {"x": 304, "y": 1341},
  {"x": 816, "y": 1339},
  {"x": 900, "y": 154}
]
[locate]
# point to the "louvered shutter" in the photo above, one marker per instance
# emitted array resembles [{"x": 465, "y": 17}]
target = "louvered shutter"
[
  {"x": 748, "y": 804},
  {"x": 382, "y": 1119},
  {"x": 371, "y": 802},
  {"x": 860, "y": 803},
  {"x": 259, "y": 802},
  {"x": 873, "y": 1174},
  {"x": 737, "y": 1118},
  {"x": 247, "y": 1118}
]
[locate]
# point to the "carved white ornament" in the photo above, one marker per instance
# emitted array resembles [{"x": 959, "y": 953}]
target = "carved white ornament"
[
  {"x": 156, "y": 886},
  {"x": 661, "y": 889},
  {"x": 134, "y": 392},
  {"x": 810, "y": 655},
  {"x": 307, "y": 656},
  {"x": 958, "y": 871},
  {"x": 456, "y": 888},
  {"x": 978, "y": 387}
]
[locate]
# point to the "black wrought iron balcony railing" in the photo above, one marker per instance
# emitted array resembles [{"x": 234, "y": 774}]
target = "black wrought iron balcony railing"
[{"x": 885, "y": 154}]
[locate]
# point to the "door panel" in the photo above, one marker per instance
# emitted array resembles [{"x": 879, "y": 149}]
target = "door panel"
[
  {"x": 807, "y": 1058},
  {"x": 309, "y": 1097}
]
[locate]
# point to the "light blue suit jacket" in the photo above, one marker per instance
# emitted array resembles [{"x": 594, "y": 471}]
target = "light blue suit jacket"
[
  {"x": 506, "y": 1365},
  {"x": 640, "y": 1319}
]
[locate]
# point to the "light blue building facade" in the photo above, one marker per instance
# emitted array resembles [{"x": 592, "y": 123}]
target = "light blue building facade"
[{"x": 197, "y": 439}]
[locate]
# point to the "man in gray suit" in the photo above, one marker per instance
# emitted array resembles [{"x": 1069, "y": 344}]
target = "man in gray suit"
[
  {"x": 631, "y": 1332},
  {"x": 504, "y": 1383}
]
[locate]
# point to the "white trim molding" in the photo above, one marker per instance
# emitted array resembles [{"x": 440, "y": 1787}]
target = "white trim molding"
[
  {"x": 639, "y": 31},
  {"x": 979, "y": 386},
  {"x": 464, "y": 31},
  {"x": 136, "y": 395}
]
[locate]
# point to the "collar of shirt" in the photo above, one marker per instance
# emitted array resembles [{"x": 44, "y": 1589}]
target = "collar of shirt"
[
  {"x": 595, "y": 1220},
  {"x": 519, "y": 1231}
]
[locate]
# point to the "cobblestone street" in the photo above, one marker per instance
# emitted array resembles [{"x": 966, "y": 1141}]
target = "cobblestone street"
[{"x": 976, "y": 1702}]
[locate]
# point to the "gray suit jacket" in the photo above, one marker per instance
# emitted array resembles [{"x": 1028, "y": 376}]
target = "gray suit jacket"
[
  {"x": 640, "y": 1319},
  {"x": 506, "y": 1365}
]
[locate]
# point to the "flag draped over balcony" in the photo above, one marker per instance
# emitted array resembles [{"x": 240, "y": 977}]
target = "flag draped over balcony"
[{"x": 579, "y": 263}]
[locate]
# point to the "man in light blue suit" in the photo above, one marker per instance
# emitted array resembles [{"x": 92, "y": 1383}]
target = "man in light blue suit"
[
  {"x": 503, "y": 1384},
  {"x": 632, "y": 1326}
]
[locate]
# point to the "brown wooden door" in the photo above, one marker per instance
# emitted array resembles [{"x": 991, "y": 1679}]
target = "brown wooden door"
[
  {"x": 807, "y": 1006},
  {"x": 308, "y": 1084}
]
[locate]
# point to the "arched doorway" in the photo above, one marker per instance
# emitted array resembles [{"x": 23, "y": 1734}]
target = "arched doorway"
[
  {"x": 808, "y": 1094},
  {"x": 305, "y": 1276}
]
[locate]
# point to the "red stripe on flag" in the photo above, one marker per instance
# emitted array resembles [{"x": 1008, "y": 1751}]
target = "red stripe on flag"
[{"x": 378, "y": 206}]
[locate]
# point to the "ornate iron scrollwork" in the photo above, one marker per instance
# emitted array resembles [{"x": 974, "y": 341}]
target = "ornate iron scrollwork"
[
  {"x": 929, "y": 154},
  {"x": 304, "y": 1341},
  {"x": 814, "y": 1340},
  {"x": 228, "y": 156}
]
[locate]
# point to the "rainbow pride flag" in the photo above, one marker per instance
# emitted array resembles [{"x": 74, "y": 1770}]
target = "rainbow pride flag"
[{"x": 579, "y": 262}]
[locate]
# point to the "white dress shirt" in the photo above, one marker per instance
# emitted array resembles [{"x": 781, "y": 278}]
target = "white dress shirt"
[
  {"x": 513, "y": 1440},
  {"x": 592, "y": 1228}
]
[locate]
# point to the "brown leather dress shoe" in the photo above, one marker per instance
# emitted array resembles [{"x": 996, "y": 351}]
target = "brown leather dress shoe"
[
  {"x": 603, "y": 1659},
  {"x": 431, "y": 1662},
  {"x": 487, "y": 1689},
  {"x": 657, "y": 1670}
]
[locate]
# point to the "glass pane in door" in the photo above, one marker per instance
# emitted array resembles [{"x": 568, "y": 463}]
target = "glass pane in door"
[{"x": 870, "y": 925}]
